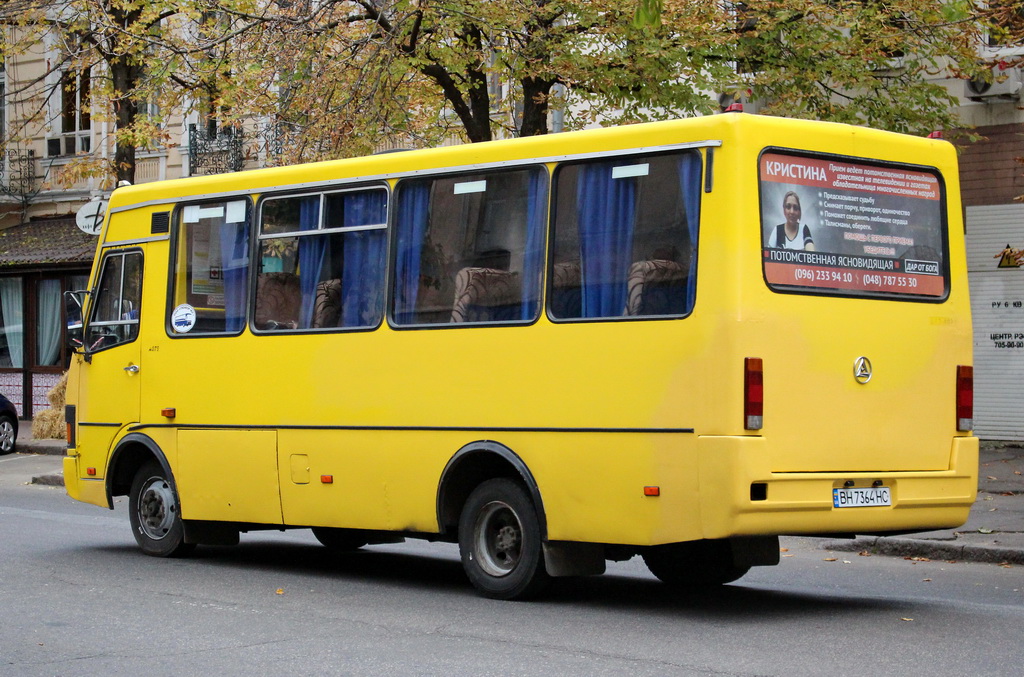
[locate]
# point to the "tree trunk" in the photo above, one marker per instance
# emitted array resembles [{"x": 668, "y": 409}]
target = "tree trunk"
[
  {"x": 535, "y": 106},
  {"x": 125, "y": 77}
]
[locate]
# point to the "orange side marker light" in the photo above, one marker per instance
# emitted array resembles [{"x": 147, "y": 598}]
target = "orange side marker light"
[{"x": 652, "y": 491}]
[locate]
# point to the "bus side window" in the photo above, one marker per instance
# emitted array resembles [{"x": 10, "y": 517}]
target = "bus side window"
[
  {"x": 625, "y": 237},
  {"x": 322, "y": 261},
  {"x": 115, "y": 315},
  {"x": 470, "y": 248},
  {"x": 211, "y": 268}
]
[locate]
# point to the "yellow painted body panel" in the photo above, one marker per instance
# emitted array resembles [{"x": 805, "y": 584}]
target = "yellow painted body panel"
[{"x": 382, "y": 412}]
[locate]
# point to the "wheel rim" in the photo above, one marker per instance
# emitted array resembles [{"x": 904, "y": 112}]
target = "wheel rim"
[
  {"x": 6, "y": 436},
  {"x": 157, "y": 508},
  {"x": 499, "y": 539}
]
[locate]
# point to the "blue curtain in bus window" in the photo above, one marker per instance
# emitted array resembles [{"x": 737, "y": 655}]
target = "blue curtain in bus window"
[
  {"x": 690, "y": 185},
  {"x": 311, "y": 257},
  {"x": 606, "y": 211},
  {"x": 362, "y": 281},
  {"x": 413, "y": 210},
  {"x": 533, "y": 258},
  {"x": 234, "y": 260}
]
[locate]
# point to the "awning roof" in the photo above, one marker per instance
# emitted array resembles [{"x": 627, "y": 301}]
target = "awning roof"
[{"x": 53, "y": 241}]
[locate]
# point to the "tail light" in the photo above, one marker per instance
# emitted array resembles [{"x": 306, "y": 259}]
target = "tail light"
[
  {"x": 753, "y": 393},
  {"x": 69, "y": 420},
  {"x": 964, "y": 398}
]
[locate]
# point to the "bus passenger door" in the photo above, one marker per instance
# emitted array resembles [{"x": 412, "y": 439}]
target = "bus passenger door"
[{"x": 110, "y": 377}]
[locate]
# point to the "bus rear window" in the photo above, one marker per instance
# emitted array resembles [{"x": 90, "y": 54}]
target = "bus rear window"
[{"x": 838, "y": 226}]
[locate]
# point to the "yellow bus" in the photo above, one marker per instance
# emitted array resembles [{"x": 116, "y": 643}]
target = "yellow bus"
[{"x": 677, "y": 340}]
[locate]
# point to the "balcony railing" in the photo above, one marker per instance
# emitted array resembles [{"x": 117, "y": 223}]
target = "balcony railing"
[
  {"x": 17, "y": 172},
  {"x": 215, "y": 151}
]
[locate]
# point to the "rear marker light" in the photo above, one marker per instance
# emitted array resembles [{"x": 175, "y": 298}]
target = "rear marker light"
[
  {"x": 753, "y": 393},
  {"x": 964, "y": 398}
]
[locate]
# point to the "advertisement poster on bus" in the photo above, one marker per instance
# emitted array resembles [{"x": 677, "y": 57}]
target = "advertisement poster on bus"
[{"x": 836, "y": 225}]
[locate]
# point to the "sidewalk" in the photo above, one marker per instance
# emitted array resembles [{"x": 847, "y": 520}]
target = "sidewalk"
[{"x": 993, "y": 533}]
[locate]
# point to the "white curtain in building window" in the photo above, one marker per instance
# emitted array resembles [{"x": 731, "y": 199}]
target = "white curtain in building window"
[
  {"x": 11, "y": 330},
  {"x": 48, "y": 329}
]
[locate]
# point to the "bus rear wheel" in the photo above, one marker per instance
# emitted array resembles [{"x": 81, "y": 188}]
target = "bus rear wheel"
[
  {"x": 500, "y": 541},
  {"x": 694, "y": 564},
  {"x": 155, "y": 513}
]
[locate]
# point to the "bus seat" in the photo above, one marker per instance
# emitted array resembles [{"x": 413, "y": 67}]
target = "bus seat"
[
  {"x": 327, "y": 304},
  {"x": 656, "y": 287},
  {"x": 278, "y": 299},
  {"x": 566, "y": 300},
  {"x": 486, "y": 295}
]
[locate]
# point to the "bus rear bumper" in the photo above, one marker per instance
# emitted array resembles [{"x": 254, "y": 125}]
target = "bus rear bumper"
[{"x": 740, "y": 496}]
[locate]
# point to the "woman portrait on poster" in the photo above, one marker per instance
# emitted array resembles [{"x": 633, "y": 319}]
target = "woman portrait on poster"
[{"x": 791, "y": 235}]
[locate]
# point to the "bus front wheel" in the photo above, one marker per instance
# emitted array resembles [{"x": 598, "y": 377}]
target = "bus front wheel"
[
  {"x": 155, "y": 513},
  {"x": 500, "y": 541},
  {"x": 694, "y": 564}
]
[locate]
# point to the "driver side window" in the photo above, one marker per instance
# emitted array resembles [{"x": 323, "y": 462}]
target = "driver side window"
[{"x": 116, "y": 306}]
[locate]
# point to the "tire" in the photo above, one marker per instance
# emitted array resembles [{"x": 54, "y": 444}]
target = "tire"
[
  {"x": 500, "y": 541},
  {"x": 694, "y": 564},
  {"x": 155, "y": 513},
  {"x": 8, "y": 434},
  {"x": 339, "y": 539}
]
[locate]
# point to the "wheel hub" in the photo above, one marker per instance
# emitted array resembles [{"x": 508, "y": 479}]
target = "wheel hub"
[
  {"x": 6, "y": 436},
  {"x": 156, "y": 509},
  {"x": 499, "y": 539}
]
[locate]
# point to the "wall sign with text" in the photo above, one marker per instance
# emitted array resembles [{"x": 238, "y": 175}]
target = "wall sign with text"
[{"x": 834, "y": 225}]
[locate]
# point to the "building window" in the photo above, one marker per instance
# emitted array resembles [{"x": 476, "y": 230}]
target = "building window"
[
  {"x": 11, "y": 323},
  {"x": 75, "y": 120}
]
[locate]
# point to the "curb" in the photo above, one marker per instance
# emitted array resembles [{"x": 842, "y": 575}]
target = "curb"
[
  {"x": 910, "y": 547},
  {"x": 49, "y": 480},
  {"x": 44, "y": 447}
]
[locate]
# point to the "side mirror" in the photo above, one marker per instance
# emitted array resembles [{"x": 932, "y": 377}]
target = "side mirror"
[{"x": 74, "y": 302}]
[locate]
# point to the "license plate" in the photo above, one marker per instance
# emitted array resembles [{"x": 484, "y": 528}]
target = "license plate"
[{"x": 861, "y": 497}]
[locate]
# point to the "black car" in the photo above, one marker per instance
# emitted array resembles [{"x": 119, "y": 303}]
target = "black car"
[{"x": 8, "y": 425}]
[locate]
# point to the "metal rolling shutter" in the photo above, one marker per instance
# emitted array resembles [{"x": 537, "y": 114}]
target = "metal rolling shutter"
[{"x": 997, "y": 305}]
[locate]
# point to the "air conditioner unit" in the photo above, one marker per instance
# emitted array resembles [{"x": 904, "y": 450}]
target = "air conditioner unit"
[{"x": 1004, "y": 84}]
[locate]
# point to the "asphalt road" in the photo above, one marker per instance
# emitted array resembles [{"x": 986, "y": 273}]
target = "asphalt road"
[{"x": 77, "y": 598}]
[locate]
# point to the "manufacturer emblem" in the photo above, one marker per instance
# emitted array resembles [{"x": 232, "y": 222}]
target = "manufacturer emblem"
[{"x": 862, "y": 369}]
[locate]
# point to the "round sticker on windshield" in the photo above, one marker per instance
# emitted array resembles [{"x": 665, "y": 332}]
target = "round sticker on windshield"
[{"x": 183, "y": 318}]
